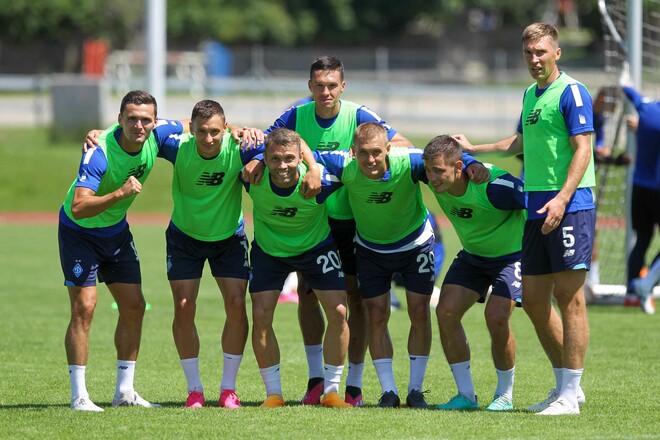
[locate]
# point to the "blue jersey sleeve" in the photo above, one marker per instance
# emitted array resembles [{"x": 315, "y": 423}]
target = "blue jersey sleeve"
[
  {"x": 256, "y": 153},
  {"x": 506, "y": 193},
  {"x": 577, "y": 107},
  {"x": 168, "y": 136},
  {"x": 93, "y": 166},
  {"x": 468, "y": 160},
  {"x": 329, "y": 184},
  {"x": 286, "y": 120},
  {"x": 417, "y": 165},
  {"x": 333, "y": 161},
  {"x": 634, "y": 96},
  {"x": 365, "y": 114}
]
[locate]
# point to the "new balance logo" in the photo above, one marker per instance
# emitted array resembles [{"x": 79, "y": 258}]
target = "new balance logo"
[
  {"x": 384, "y": 197},
  {"x": 516, "y": 284},
  {"x": 210, "y": 179},
  {"x": 569, "y": 253},
  {"x": 461, "y": 212},
  {"x": 284, "y": 212},
  {"x": 327, "y": 146},
  {"x": 137, "y": 172},
  {"x": 533, "y": 117}
]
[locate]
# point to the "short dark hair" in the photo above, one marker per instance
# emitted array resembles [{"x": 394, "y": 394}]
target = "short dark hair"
[
  {"x": 368, "y": 131},
  {"x": 138, "y": 97},
  {"x": 327, "y": 63},
  {"x": 443, "y": 146},
  {"x": 206, "y": 109},
  {"x": 282, "y": 136}
]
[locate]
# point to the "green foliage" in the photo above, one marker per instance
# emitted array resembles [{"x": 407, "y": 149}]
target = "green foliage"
[
  {"x": 278, "y": 22},
  {"x": 24, "y": 21}
]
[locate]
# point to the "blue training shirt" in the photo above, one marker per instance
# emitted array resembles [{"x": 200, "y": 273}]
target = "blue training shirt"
[
  {"x": 363, "y": 114},
  {"x": 647, "y": 159}
]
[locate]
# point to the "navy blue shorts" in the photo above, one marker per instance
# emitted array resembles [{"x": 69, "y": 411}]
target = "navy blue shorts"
[
  {"x": 227, "y": 258},
  {"x": 480, "y": 273},
  {"x": 320, "y": 267},
  {"x": 85, "y": 257},
  {"x": 375, "y": 270},
  {"x": 343, "y": 233},
  {"x": 567, "y": 247}
]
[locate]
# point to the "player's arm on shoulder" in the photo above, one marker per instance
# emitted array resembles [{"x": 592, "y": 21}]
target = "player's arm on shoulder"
[
  {"x": 334, "y": 160},
  {"x": 395, "y": 139},
  {"x": 92, "y": 139},
  {"x": 254, "y": 166},
  {"x": 506, "y": 193},
  {"x": 329, "y": 184},
  {"x": 509, "y": 146},
  {"x": 311, "y": 184},
  {"x": 247, "y": 137},
  {"x": 475, "y": 170},
  {"x": 400, "y": 141}
]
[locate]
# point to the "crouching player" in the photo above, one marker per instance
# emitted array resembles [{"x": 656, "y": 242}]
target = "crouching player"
[
  {"x": 291, "y": 234},
  {"x": 489, "y": 219},
  {"x": 393, "y": 236}
]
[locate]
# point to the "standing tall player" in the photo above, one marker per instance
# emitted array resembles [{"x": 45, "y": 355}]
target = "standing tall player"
[
  {"x": 554, "y": 133},
  {"x": 95, "y": 241}
]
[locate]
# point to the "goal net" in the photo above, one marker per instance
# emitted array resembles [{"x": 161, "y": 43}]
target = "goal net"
[{"x": 612, "y": 180}]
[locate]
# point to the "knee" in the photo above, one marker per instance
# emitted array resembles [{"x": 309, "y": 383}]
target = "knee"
[
  {"x": 262, "y": 317},
  {"x": 134, "y": 307},
  {"x": 378, "y": 316},
  {"x": 497, "y": 320},
  {"x": 419, "y": 312},
  {"x": 446, "y": 315},
  {"x": 337, "y": 315},
  {"x": 185, "y": 306},
  {"x": 83, "y": 310},
  {"x": 235, "y": 305}
]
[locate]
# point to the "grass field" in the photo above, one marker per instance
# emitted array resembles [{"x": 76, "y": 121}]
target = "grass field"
[{"x": 621, "y": 378}]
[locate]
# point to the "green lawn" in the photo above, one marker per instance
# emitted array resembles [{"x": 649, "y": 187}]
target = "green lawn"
[{"x": 621, "y": 379}]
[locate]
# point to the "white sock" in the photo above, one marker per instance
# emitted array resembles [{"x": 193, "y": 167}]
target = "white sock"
[
  {"x": 559, "y": 372},
  {"x": 385, "y": 375},
  {"x": 355, "y": 373},
  {"x": 332, "y": 377},
  {"x": 314, "y": 355},
  {"x": 191, "y": 371},
  {"x": 417, "y": 372},
  {"x": 230, "y": 370},
  {"x": 271, "y": 377},
  {"x": 125, "y": 374},
  {"x": 571, "y": 384},
  {"x": 505, "y": 383},
  {"x": 463, "y": 379},
  {"x": 77, "y": 378}
]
